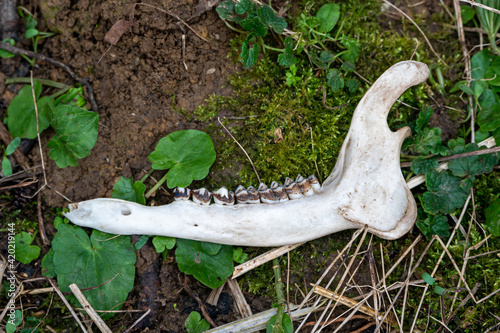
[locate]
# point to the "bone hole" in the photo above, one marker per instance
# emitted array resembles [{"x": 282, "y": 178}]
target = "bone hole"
[
  {"x": 126, "y": 212},
  {"x": 195, "y": 225}
]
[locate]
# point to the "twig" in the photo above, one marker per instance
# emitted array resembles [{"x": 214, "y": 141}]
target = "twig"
[
  {"x": 338, "y": 320},
  {"x": 89, "y": 309},
  {"x": 480, "y": 5},
  {"x": 418, "y": 28},
  {"x": 41, "y": 57},
  {"x": 67, "y": 305},
  {"x": 137, "y": 321},
  {"x": 200, "y": 302},
  {"x": 461, "y": 155},
  {"x": 324, "y": 100},
  {"x": 239, "y": 299},
  {"x": 253, "y": 166},
  {"x": 41, "y": 227},
  {"x": 22, "y": 184},
  {"x": 38, "y": 133}
]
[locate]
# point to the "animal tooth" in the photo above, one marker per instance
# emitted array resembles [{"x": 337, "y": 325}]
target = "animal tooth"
[
  {"x": 181, "y": 193},
  {"x": 223, "y": 197},
  {"x": 247, "y": 196},
  {"x": 202, "y": 196},
  {"x": 293, "y": 189},
  {"x": 267, "y": 195},
  {"x": 316, "y": 186},
  {"x": 279, "y": 191},
  {"x": 305, "y": 186}
]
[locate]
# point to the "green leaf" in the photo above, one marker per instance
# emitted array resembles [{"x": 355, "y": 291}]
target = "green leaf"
[
  {"x": 48, "y": 269},
  {"x": 496, "y": 135},
  {"x": 439, "y": 290},
  {"x": 25, "y": 252},
  {"x": 245, "y": 6},
  {"x": 141, "y": 242},
  {"x": 187, "y": 153},
  {"x": 6, "y": 167},
  {"x": 352, "y": 84},
  {"x": 482, "y": 135},
  {"x": 31, "y": 33},
  {"x": 328, "y": 16},
  {"x": 444, "y": 193},
  {"x": 211, "y": 270},
  {"x": 472, "y": 165},
  {"x": 194, "y": 323},
  {"x": 254, "y": 25},
  {"x": 435, "y": 225},
  {"x": 423, "y": 118},
  {"x": 249, "y": 55},
  {"x": 492, "y": 214},
  {"x": 428, "y": 141},
  {"x": 480, "y": 63},
  {"x": 492, "y": 75},
  {"x": 58, "y": 220},
  {"x": 327, "y": 57},
  {"x": 73, "y": 97},
  {"x": 104, "y": 263},
  {"x": 12, "y": 146},
  {"x": 76, "y": 134},
  {"x": 162, "y": 243},
  {"x": 479, "y": 88},
  {"x": 210, "y": 248},
  {"x": 239, "y": 256},
  {"x": 127, "y": 189},
  {"x": 488, "y": 118},
  {"x": 22, "y": 116},
  {"x": 428, "y": 279},
  {"x": 348, "y": 66},
  {"x": 422, "y": 166},
  {"x": 6, "y": 54},
  {"x": 286, "y": 324},
  {"x": 14, "y": 321},
  {"x": 467, "y": 13},
  {"x": 31, "y": 23},
  {"x": 466, "y": 89},
  {"x": 335, "y": 81},
  {"x": 269, "y": 17},
  {"x": 286, "y": 58},
  {"x": 352, "y": 47},
  {"x": 227, "y": 11}
]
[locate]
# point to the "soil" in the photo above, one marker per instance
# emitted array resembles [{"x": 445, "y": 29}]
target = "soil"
[{"x": 141, "y": 84}]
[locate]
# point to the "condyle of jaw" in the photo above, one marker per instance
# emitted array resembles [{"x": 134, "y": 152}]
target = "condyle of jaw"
[{"x": 366, "y": 187}]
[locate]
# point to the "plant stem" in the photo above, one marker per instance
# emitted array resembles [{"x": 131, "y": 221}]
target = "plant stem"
[
  {"x": 45, "y": 82},
  {"x": 157, "y": 186},
  {"x": 278, "y": 285}
]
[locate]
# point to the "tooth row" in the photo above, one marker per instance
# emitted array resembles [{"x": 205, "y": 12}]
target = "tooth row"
[{"x": 276, "y": 193}]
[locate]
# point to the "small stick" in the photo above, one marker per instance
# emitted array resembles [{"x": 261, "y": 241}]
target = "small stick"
[
  {"x": 19, "y": 185},
  {"x": 239, "y": 299},
  {"x": 41, "y": 227},
  {"x": 461, "y": 155},
  {"x": 213, "y": 297},
  {"x": 200, "y": 303},
  {"x": 68, "y": 305},
  {"x": 184, "y": 51},
  {"x": 137, "y": 321},
  {"x": 88, "y": 308},
  {"x": 324, "y": 100},
  {"x": 41, "y": 57},
  {"x": 480, "y": 5},
  {"x": 38, "y": 133},
  {"x": 262, "y": 259},
  {"x": 253, "y": 166}
]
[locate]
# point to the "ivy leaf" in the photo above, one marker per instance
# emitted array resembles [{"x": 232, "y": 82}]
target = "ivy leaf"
[
  {"x": 328, "y": 16},
  {"x": 162, "y": 243},
  {"x": 12, "y": 146},
  {"x": 492, "y": 214},
  {"x": 127, "y": 189},
  {"x": 25, "y": 252},
  {"x": 488, "y": 118},
  {"x": 103, "y": 263},
  {"x": 423, "y": 119},
  {"x": 249, "y": 55},
  {"x": 187, "y": 153},
  {"x": 444, "y": 193},
  {"x": 423, "y": 166},
  {"x": 335, "y": 81},
  {"x": 352, "y": 84},
  {"x": 227, "y": 11},
  {"x": 435, "y": 225},
  {"x": 211, "y": 270},
  {"x": 428, "y": 141},
  {"x": 244, "y": 6},
  {"x": 348, "y": 66},
  {"x": 194, "y": 323},
  {"x": 269, "y": 17},
  {"x": 286, "y": 58},
  {"x": 472, "y": 165},
  {"x": 76, "y": 134},
  {"x": 327, "y": 57},
  {"x": 254, "y": 25},
  {"x": 22, "y": 116},
  {"x": 239, "y": 256},
  {"x": 352, "y": 47}
]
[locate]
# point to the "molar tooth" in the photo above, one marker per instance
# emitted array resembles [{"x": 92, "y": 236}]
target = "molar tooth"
[
  {"x": 202, "y": 196},
  {"x": 299, "y": 179},
  {"x": 316, "y": 186},
  {"x": 305, "y": 186},
  {"x": 247, "y": 196},
  {"x": 181, "y": 193},
  {"x": 267, "y": 195},
  {"x": 293, "y": 191},
  {"x": 279, "y": 191},
  {"x": 288, "y": 181},
  {"x": 223, "y": 197}
]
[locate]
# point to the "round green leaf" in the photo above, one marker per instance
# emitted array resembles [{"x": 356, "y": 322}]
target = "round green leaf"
[
  {"x": 286, "y": 324},
  {"x": 211, "y": 270},
  {"x": 25, "y": 252},
  {"x": 31, "y": 33},
  {"x": 187, "y": 153},
  {"x": 103, "y": 263},
  {"x": 194, "y": 323},
  {"x": 328, "y": 16},
  {"x": 162, "y": 243},
  {"x": 127, "y": 189}
]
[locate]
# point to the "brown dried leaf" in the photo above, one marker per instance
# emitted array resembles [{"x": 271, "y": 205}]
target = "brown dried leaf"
[
  {"x": 278, "y": 135},
  {"x": 117, "y": 30}
]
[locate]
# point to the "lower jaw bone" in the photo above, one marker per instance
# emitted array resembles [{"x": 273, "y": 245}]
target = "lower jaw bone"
[{"x": 365, "y": 189}]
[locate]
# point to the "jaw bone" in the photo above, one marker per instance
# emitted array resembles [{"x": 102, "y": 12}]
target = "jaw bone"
[{"x": 366, "y": 188}]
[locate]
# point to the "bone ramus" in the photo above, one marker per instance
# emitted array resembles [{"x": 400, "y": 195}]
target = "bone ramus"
[{"x": 366, "y": 187}]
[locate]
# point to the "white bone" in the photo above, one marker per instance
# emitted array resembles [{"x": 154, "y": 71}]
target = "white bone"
[{"x": 366, "y": 187}]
